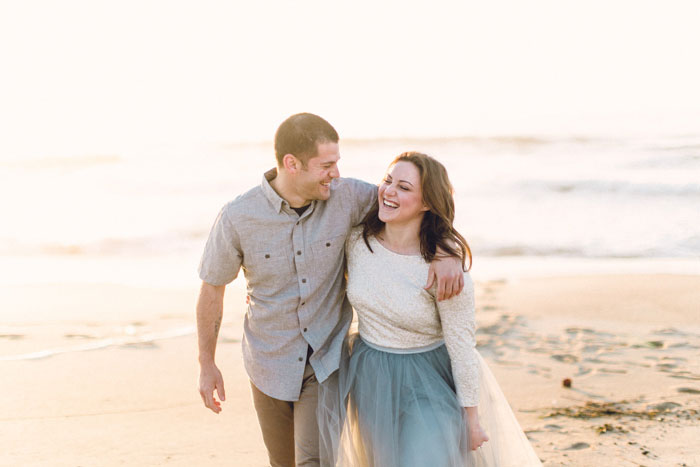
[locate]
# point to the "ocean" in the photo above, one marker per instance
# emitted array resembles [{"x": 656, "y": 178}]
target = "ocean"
[{"x": 141, "y": 216}]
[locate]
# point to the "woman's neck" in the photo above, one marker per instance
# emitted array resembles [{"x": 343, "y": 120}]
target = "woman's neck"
[{"x": 403, "y": 238}]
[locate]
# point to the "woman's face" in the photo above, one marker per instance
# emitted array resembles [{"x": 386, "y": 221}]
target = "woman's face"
[{"x": 400, "y": 196}]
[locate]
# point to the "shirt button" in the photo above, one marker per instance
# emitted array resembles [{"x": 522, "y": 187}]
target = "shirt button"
[
  {"x": 298, "y": 252},
  {"x": 267, "y": 256},
  {"x": 301, "y": 359},
  {"x": 303, "y": 281},
  {"x": 304, "y": 329},
  {"x": 328, "y": 243},
  {"x": 303, "y": 303}
]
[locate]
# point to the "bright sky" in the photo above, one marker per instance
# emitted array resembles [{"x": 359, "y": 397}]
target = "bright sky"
[{"x": 92, "y": 76}]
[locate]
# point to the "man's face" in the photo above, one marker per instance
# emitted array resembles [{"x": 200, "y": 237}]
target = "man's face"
[{"x": 313, "y": 182}]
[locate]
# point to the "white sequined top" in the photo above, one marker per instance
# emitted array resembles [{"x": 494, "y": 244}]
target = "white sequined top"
[{"x": 394, "y": 310}]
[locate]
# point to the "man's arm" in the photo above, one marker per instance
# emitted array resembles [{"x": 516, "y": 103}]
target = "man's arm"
[
  {"x": 210, "y": 306},
  {"x": 448, "y": 271},
  {"x": 362, "y": 196}
]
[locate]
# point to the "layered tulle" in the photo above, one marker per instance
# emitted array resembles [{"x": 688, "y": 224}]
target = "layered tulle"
[{"x": 386, "y": 409}]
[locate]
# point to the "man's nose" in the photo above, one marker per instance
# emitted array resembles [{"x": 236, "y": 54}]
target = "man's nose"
[{"x": 335, "y": 172}]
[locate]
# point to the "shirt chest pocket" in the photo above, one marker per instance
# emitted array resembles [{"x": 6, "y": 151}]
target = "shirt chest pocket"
[
  {"x": 328, "y": 253},
  {"x": 269, "y": 264}
]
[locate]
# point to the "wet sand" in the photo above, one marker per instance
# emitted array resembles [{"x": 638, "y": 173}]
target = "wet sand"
[{"x": 629, "y": 344}]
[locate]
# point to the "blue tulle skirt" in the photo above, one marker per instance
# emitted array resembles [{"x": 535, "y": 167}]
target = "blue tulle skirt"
[{"x": 389, "y": 409}]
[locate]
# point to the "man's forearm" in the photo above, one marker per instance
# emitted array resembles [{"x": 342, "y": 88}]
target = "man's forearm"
[
  {"x": 210, "y": 306},
  {"x": 440, "y": 253}
]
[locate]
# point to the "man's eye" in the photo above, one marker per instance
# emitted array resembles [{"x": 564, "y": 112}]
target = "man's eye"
[{"x": 387, "y": 181}]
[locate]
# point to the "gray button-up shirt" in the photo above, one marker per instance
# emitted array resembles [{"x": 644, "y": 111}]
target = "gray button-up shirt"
[{"x": 294, "y": 270}]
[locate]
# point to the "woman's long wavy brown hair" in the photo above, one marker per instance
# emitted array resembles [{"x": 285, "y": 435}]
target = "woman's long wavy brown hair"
[{"x": 436, "y": 229}]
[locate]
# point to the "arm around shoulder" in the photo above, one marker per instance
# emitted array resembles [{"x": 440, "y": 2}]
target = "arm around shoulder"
[
  {"x": 447, "y": 271},
  {"x": 362, "y": 196}
]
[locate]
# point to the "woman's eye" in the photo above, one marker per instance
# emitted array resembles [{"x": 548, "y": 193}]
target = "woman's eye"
[
  {"x": 387, "y": 181},
  {"x": 404, "y": 188}
]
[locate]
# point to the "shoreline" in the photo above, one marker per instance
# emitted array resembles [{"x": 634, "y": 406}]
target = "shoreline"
[{"x": 178, "y": 272}]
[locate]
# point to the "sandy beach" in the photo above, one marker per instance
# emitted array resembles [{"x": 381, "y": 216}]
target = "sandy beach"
[{"x": 628, "y": 343}]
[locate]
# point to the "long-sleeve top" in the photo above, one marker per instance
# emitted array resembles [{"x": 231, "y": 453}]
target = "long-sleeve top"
[{"x": 386, "y": 290}]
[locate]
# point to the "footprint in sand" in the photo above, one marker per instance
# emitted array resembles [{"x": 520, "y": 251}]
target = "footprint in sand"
[
  {"x": 580, "y": 331},
  {"x": 79, "y": 336},
  {"x": 139, "y": 345},
  {"x": 649, "y": 345},
  {"x": 683, "y": 345},
  {"x": 577, "y": 446},
  {"x": 565, "y": 358},
  {"x": 666, "y": 366},
  {"x": 12, "y": 337},
  {"x": 663, "y": 406},
  {"x": 229, "y": 340},
  {"x": 612, "y": 370},
  {"x": 553, "y": 427},
  {"x": 688, "y": 390}
]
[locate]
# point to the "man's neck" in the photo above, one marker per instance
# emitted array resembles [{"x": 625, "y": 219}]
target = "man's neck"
[{"x": 284, "y": 187}]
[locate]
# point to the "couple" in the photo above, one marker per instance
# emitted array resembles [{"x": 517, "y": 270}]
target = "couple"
[{"x": 406, "y": 389}]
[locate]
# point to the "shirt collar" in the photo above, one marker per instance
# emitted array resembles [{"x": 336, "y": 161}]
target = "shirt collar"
[{"x": 276, "y": 200}]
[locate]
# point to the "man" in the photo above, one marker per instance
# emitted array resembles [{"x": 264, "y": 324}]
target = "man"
[{"x": 288, "y": 236}]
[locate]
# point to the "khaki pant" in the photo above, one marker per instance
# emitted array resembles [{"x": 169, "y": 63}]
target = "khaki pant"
[{"x": 290, "y": 429}]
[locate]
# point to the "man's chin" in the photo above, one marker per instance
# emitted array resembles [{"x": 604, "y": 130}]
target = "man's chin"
[{"x": 324, "y": 193}]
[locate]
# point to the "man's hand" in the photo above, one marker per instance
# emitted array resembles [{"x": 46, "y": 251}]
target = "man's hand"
[
  {"x": 210, "y": 379},
  {"x": 449, "y": 275}
]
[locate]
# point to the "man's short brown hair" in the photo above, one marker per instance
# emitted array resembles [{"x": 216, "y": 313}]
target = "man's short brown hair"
[{"x": 300, "y": 134}]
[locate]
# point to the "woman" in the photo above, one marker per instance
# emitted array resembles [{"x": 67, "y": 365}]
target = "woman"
[{"x": 408, "y": 395}]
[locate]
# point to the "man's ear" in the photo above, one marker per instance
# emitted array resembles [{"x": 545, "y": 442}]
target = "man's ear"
[{"x": 291, "y": 163}]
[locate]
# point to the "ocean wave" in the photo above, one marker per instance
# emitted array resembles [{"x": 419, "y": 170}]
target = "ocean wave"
[
  {"x": 120, "y": 341},
  {"x": 673, "y": 161},
  {"x": 686, "y": 248},
  {"x": 61, "y": 162},
  {"x": 613, "y": 186},
  {"x": 519, "y": 141},
  {"x": 165, "y": 243}
]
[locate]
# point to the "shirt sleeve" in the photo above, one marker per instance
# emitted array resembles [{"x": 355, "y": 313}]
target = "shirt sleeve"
[
  {"x": 459, "y": 328},
  {"x": 362, "y": 196},
  {"x": 222, "y": 255}
]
